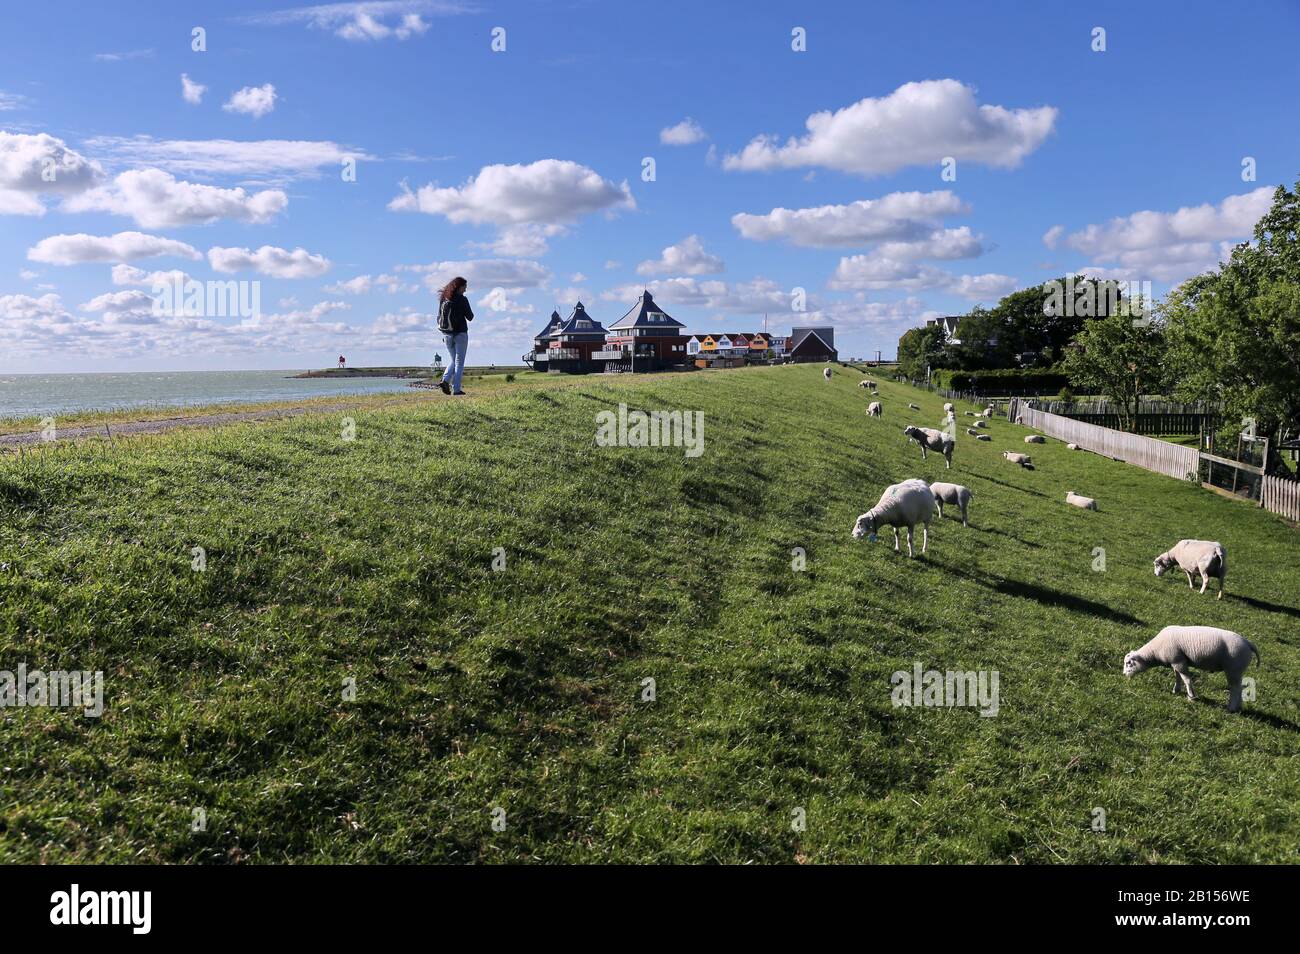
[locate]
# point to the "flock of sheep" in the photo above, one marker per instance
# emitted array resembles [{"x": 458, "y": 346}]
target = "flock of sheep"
[{"x": 913, "y": 502}]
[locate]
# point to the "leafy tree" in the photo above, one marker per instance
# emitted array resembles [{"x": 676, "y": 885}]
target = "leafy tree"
[
  {"x": 1120, "y": 358},
  {"x": 1235, "y": 333},
  {"x": 918, "y": 349}
]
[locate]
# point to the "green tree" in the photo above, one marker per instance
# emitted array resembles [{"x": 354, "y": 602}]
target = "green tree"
[
  {"x": 918, "y": 349},
  {"x": 1120, "y": 358},
  {"x": 1234, "y": 333}
]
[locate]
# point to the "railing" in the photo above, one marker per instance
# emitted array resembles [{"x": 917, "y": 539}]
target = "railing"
[{"x": 1281, "y": 496}]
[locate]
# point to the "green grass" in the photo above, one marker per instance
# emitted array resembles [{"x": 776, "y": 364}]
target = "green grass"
[{"x": 521, "y": 689}]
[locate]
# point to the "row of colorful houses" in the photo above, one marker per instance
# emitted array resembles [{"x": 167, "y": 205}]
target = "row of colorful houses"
[{"x": 647, "y": 338}]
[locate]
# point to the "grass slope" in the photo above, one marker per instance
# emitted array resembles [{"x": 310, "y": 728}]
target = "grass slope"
[{"x": 521, "y": 689}]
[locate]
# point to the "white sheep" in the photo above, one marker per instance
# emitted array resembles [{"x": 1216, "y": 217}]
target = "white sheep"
[
  {"x": 915, "y": 407},
  {"x": 973, "y": 432},
  {"x": 981, "y": 424},
  {"x": 987, "y": 412},
  {"x": 930, "y": 439},
  {"x": 969, "y": 413},
  {"x": 1207, "y": 648},
  {"x": 1024, "y": 460},
  {"x": 947, "y": 407},
  {"x": 873, "y": 409},
  {"x": 1035, "y": 439},
  {"x": 983, "y": 437},
  {"x": 1206, "y": 557},
  {"x": 827, "y": 373},
  {"x": 864, "y": 384},
  {"x": 901, "y": 505},
  {"x": 1071, "y": 446},
  {"x": 1078, "y": 500},
  {"x": 954, "y": 494}
]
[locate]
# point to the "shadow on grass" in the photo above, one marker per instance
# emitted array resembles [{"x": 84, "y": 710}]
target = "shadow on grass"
[
  {"x": 1023, "y": 490},
  {"x": 1268, "y": 718},
  {"x": 1267, "y": 606},
  {"x": 1050, "y": 597}
]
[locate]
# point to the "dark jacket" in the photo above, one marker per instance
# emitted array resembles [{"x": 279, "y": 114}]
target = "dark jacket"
[{"x": 455, "y": 314}]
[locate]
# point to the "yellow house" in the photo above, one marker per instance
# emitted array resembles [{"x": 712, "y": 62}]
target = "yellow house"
[{"x": 758, "y": 342}]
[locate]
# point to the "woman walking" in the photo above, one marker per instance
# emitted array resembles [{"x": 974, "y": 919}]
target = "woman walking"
[{"x": 454, "y": 315}]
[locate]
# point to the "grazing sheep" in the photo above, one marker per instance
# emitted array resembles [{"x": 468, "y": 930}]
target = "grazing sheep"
[
  {"x": 1024, "y": 460},
  {"x": 1078, "y": 500},
  {"x": 1205, "y": 647},
  {"x": 954, "y": 494},
  {"x": 1206, "y": 557},
  {"x": 947, "y": 407},
  {"x": 915, "y": 407},
  {"x": 973, "y": 432},
  {"x": 1035, "y": 439},
  {"x": 901, "y": 505},
  {"x": 827, "y": 373},
  {"x": 930, "y": 439},
  {"x": 983, "y": 437},
  {"x": 873, "y": 409}
]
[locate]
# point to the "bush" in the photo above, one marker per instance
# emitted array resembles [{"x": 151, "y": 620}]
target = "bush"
[
  {"x": 1011, "y": 381},
  {"x": 509, "y": 378}
]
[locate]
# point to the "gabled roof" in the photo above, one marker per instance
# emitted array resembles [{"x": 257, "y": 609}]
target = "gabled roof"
[
  {"x": 645, "y": 314},
  {"x": 551, "y": 325},
  {"x": 811, "y": 337},
  {"x": 579, "y": 323}
]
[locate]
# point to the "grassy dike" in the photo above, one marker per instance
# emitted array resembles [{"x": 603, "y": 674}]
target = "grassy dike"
[{"x": 371, "y": 559}]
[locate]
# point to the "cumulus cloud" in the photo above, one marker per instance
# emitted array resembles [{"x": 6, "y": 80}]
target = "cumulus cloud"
[
  {"x": 191, "y": 91},
  {"x": 488, "y": 272},
  {"x": 130, "y": 275},
  {"x": 1170, "y": 246},
  {"x": 874, "y": 272},
  {"x": 499, "y": 301},
  {"x": 917, "y": 124},
  {"x": 269, "y": 260},
  {"x": 35, "y": 165},
  {"x": 685, "y": 133},
  {"x": 943, "y": 244},
  {"x": 255, "y": 101},
  {"x": 687, "y": 257},
  {"x": 362, "y": 284},
  {"x": 364, "y": 21},
  {"x": 258, "y": 159},
  {"x": 156, "y": 200},
  {"x": 1052, "y": 237},
  {"x": 122, "y": 247},
  {"x": 753, "y": 297},
  {"x": 897, "y": 216}
]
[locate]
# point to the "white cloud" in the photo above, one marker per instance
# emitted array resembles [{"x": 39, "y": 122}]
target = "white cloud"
[
  {"x": 367, "y": 20},
  {"x": 943, "y": 244},
  {"x": 119, "y": 57},
  {"x": 873, "y": 272},
  {"x": 1170, "y": 246},
  {"x": 1052, "y": 237},
  {"x": 685, "y": 133},
  {"x": 191, "y": 91},
  {"x": 898, "y": 216},
  {"x": 34, "y": 165},
  {"x": 259, "y": 159},
  {"x": 28, "y": 275},
  {"x": 12, "y": 101},
  {"x": 489, "y": 272},
  {"x": 917, "y": 124},
  {"x": 753, "y": 297},
  {"x": 687, "y": 257},
  {"x": 269, "y": 260},
  {"x": 20, "y": 203},
  {"x": 130, "y": 275},
  {"x": 122, "y": 247},
  {"x": 577, "y": 278},
  {"x": 255, "y": 101},
  {"x": 519, "y": 241},
  {"x": 156, "y": 200},
  {"x": 499, "y": 301},
  {"x": 529, "y": 202}
]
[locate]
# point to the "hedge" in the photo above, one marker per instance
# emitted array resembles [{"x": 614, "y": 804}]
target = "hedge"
[{"x": 1003, "y": 381}]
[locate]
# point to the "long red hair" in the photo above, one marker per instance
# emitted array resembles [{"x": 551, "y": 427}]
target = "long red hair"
[{"x": 450, "y": 289}]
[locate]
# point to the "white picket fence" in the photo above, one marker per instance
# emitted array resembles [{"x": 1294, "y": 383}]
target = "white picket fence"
[
  {"x": 1281, "y": 496},
  {"x": 1162, "y": 457}
]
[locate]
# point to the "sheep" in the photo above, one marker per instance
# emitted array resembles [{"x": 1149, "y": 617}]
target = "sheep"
[
  {"x": 1078, "y": 500},
  {"x": 1035, "y": 439},
  {"x": 1208, "y": 648},
  {"x": 947, "y": 408},
  {"x": 873, "y": 409},
  {"x": 983, "y": 437},
  {"x": 1024, "y": 460},
  {"x": 987, "y": 412},
  {"x": 974, "y": 433},
  {"x": 915, "y": 407},
  {"x": 930, "y": 439},
  {"x": 1071, "y": 446},
  {"x": 969, "y": 413},
  {"x": 827, "y": 373},
  {"x": 951, "y": 494},
  {"x": 981, "y": 424},
  {"x": 1206, "y": 557},
  {"x": 901, "y": 505}
]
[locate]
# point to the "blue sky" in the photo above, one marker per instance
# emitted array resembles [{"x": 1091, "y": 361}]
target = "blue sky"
[{"x": 523, "y": 168}]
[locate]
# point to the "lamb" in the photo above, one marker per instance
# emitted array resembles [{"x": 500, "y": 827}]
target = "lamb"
[
  {"x": 1206, "y": 557},
  {"x": 1035, "y": 439},
  {"x": 947, "y": 408},
  {"x": 930, "y": 439},
  {"x": 954, "y": 494},
  {"x": 987, "y": 412},
  {"x": 864, "y": 384},
  {"x": 901, "y": 505},
  {"x": 1206, "y": 647},
  {"x": 984, "y": 437},
  {"x": 1071, "y": 446},
  {"x": 827, "y": 373},
  {"x": 1078, "y": 500},
  {"x": 974, "y": 433},
  {"x": 1024, "y": 460},
  {"x": 873, "y": 409},
  {"x": 915, "y": 407},
  {"x": 981, "y": 424}
]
